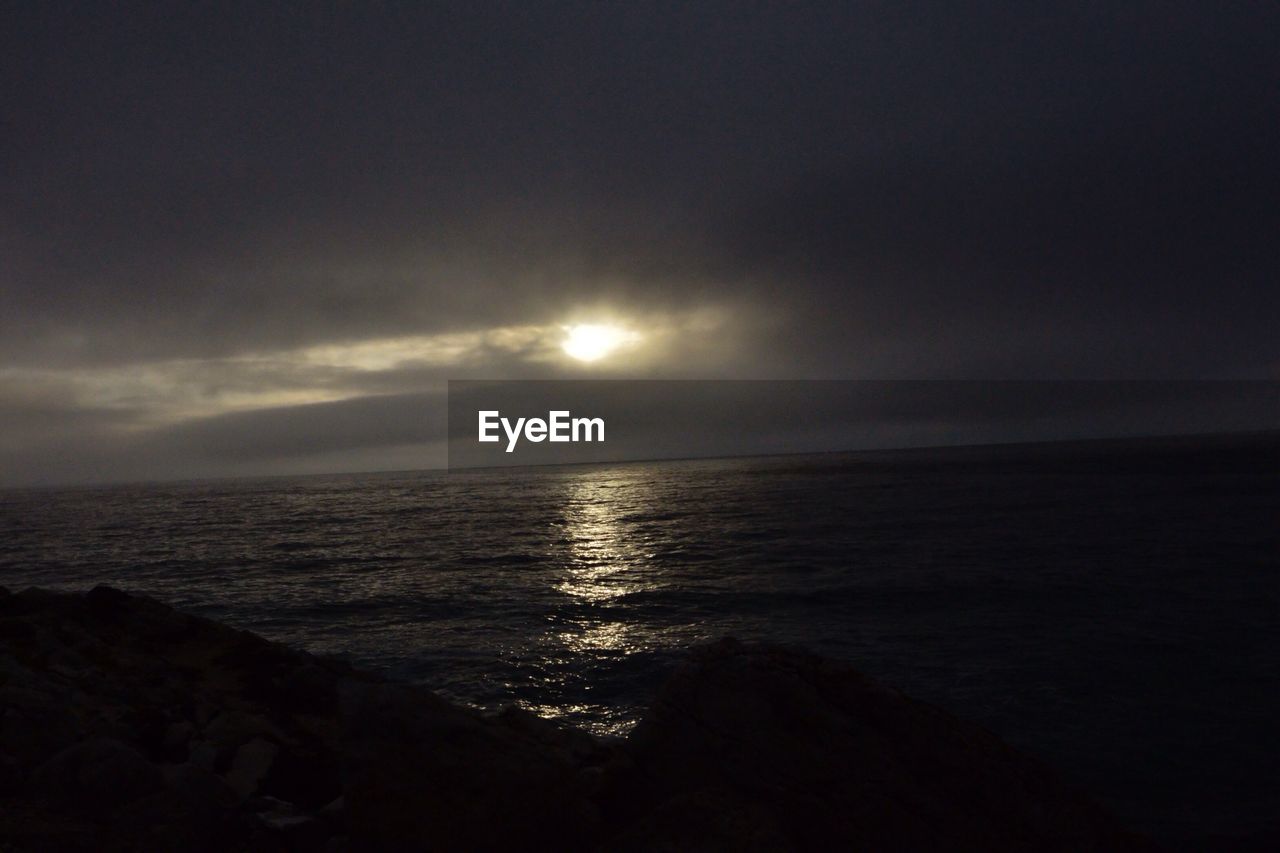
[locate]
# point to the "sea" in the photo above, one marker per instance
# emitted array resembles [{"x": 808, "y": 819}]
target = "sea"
[{"x": 1111, "y": 607}]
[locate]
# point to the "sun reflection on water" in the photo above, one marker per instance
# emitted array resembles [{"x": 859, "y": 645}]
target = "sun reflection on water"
[
  {"x": 603, "y": 567},
  {"x": 605, "y": 562},
  {"x": 606, "y": 636}
]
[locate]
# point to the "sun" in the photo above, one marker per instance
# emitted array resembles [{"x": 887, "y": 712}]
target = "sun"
[{"x": 592, "y": 342}]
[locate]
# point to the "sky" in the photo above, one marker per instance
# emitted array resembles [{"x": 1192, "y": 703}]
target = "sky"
[{"x": 258, "y": 238}]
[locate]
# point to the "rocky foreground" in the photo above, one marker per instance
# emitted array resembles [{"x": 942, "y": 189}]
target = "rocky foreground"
[{"x": 127, "y": 725}]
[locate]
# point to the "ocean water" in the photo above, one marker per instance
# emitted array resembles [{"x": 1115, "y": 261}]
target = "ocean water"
[{"x": 1113, "y": 608}]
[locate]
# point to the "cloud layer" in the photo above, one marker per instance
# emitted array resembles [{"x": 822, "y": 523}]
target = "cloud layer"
[{"x": 211, "y": 212}]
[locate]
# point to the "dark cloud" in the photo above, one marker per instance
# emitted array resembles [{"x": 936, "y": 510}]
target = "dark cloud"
[
  {"x": 383, "y": 432},
  {"x": 857, "y": 190},
  {"x": 374, "y": 421}
]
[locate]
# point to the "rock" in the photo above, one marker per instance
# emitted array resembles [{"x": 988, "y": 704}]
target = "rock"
[
  {"x": 196, "y": 811},
  {"x": 299, "y": 830},
  {"x": 11, "y": 776},
  {"x": 198, "y": 786},
  {"x": 424, "y": 774},
  {"x": 34, "y": 724},
  {"x": 251, "y": 765},
  {"x": 117, "y": 715},
  {"x": 28, "y": 824},
  {"x": 177, "y": 736},
  {"x": 204, "y": 754},
  {"x": 232, "y": 729},
  {"x": 335, "y": 814},
  {"x": 307, "y": 774},
  {"x": 310, "y": 688},
  {"x": 76, "y": 669},
  {"x": 99, "y": 773},
  {"x": 768, "y": 748}
]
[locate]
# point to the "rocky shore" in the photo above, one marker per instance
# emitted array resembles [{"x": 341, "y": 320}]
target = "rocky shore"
[{"x": 126, "y": 725}]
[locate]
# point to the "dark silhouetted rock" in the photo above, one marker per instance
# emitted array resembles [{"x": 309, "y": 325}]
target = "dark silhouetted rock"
[
  {"x": 251, "y": 765},
  {"x": 100, "y": 771},
  {"x": 760, "y": 748},
  {"x": 143, "y": 721},
  {"x": 424, "y": 774},
  {"x": 125, "y": 725}
]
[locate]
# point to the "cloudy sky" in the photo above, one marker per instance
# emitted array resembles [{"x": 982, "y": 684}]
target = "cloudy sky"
[{"x": 257, "y": 238}]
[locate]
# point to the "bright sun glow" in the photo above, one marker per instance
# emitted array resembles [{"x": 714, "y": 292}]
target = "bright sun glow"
[{"x": 593, "y": 342}]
